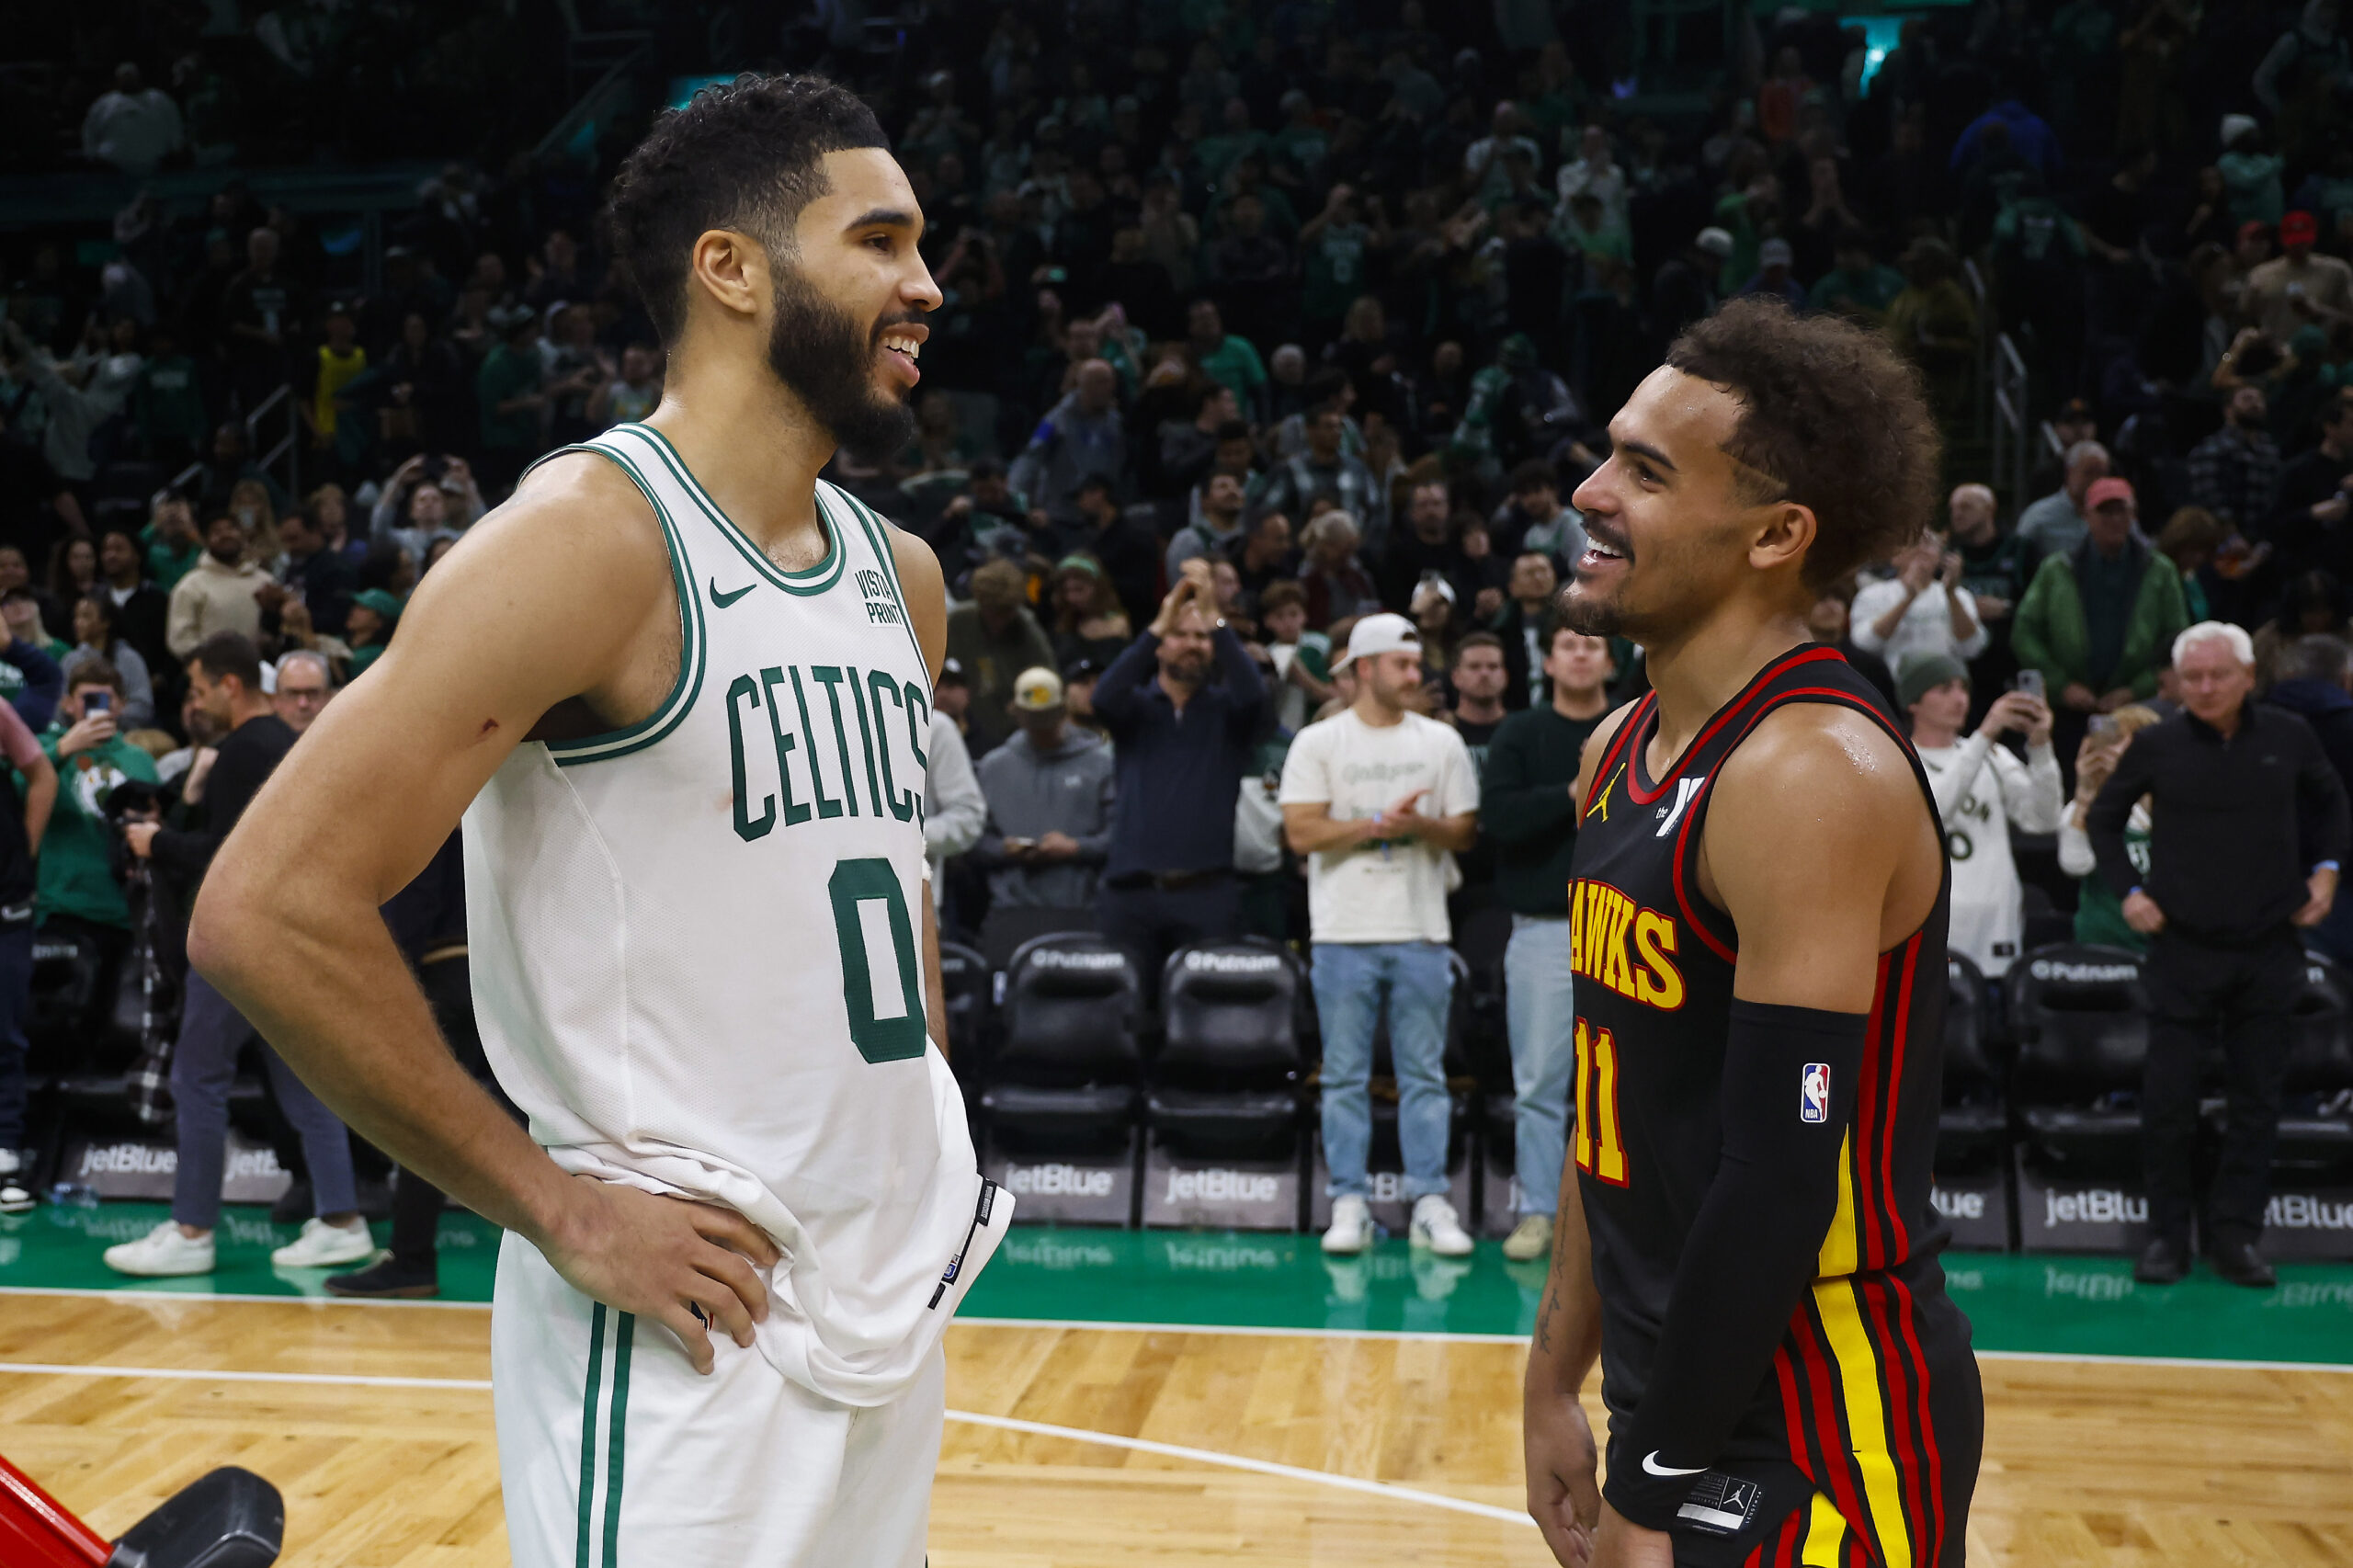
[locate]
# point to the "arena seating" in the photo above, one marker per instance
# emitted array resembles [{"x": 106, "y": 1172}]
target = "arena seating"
[
  {"x": 1973, "y": 1128},
  {"x": 2316, "y": 1124},
  {"x": 1067, "y": 1072},
  {"x": 1226, "y": 1080},
  {"x": 2081, "y": 1017}
]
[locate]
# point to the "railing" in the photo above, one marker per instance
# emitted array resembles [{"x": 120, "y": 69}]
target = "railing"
[
  {"x": 1981, "y": 399},
  {"x": 2011, "y": 438},
  {"x": 288, "y": 447}
]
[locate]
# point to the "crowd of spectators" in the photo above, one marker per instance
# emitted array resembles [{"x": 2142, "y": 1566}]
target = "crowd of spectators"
[{"x": 1260, "y": 324}]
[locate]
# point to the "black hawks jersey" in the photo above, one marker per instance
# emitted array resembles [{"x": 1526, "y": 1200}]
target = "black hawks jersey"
[{"x": 1852, "y": 1401}]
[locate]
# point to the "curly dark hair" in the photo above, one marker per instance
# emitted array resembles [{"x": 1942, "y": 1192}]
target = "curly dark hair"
[
  {"x": 1831, "y": 417},
  {"x": 742, "y": 155}
]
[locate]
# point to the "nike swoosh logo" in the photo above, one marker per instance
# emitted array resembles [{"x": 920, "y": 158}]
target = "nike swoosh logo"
[
  {"x": 724, "y": 600},
  {"x": 1650, "y": 1463}
]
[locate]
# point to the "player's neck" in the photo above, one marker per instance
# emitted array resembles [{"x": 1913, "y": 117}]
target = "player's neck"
[
  {"x": 753, "y": 447},
  {"x": 1696, "y": 675}
]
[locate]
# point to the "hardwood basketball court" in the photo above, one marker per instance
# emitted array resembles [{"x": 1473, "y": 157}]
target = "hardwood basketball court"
[{"x": 1121, "y": 1444}]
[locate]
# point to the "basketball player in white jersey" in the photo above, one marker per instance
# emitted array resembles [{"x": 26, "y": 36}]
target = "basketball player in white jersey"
[{"x": 678, "y": 689}]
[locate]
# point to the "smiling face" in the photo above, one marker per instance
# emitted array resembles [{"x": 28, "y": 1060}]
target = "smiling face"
[
  {"x": 850, "y": 296},
  {"x": 1669, "y": 518}
]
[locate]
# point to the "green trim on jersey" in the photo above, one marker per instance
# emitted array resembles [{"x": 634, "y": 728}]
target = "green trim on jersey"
[
  {"x": 689, "y": 684},
  {"x": 815, "y": 580},
  {"x": 877, "y": 534}
]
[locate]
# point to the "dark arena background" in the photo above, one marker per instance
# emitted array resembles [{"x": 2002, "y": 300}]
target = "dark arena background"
[{"x": 1339, "y": 296}]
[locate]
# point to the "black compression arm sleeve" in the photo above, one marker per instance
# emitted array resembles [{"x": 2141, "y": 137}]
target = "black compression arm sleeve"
[{"x": 1751, "y": 1251}]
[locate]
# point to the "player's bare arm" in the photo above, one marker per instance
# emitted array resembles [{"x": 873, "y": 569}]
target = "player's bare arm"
[
  {"x": 1819, "y": 810},
  {"x": 1563, "y": 1490},
  {"x": 558, "y": 608},
  {"x": 927, "y": 595}
]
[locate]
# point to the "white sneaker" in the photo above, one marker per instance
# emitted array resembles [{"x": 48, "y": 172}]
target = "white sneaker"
[
  {"x": 1438, "y": 1227},
  {"x": 322, "y": 1245},
  {"x": 1529, "y": 1240},
  {"x": 1351, "y": 1230},
  {"x": 162, "y": 1252},
  {"x": 15, "y": 1197}
]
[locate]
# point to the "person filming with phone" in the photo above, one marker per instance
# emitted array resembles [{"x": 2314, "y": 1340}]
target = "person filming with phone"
[
  {"x": 2099, "y": 620},
  {"x": 1981, "y": 790}
]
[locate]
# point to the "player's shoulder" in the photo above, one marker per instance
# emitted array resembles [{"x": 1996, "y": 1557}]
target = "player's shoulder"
[
  {"x": 576, "y": 531},
  {"x": 1821, "y": 759}
]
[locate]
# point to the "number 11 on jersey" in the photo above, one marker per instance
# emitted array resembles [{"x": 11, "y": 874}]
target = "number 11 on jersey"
[{"x": 1600, "y": 1150}]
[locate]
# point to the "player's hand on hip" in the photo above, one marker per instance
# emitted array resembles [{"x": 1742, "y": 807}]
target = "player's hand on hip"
[
  {"x": 1619, "y": 1543},
  {"x": 2140, "y": 913},
  {"x": 663, "y": 1257},
  {"x": 1563, "y": 1496}
]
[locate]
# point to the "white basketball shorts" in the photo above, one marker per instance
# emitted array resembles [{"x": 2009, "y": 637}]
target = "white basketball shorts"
[{"x": 613, "y": 1452}]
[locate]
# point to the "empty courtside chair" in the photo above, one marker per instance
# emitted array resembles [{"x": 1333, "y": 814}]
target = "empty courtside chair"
[
  {"x": 1226, "y": 1082},
  {"x": 2081, "y": 1017},
  {"x": 1066, "y": 1073},
  {"x": 2316, "y": 1120},
  {"x": 964, "y": 976},
  {"x": 1973, "y": 1130}
]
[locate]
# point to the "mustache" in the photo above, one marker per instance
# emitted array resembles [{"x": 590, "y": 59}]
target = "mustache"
[
  {"x": 1609, "y": 536},
  {"x": 882, "y": 328}
]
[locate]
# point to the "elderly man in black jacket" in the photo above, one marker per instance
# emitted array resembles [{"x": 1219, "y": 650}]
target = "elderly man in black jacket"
[{"x": 2248, "y": 826}]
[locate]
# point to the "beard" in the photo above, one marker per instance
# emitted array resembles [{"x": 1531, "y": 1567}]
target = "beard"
[
  {"x": 826, "y": 359},
  {"x": 1587, "y": 612}
]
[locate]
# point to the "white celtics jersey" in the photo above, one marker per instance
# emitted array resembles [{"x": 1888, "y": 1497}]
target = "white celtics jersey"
[{"x": 696, "y": 942}]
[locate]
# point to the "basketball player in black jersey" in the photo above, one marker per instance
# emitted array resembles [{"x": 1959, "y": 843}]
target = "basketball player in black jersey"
[{"x": 1758, "y": 929}]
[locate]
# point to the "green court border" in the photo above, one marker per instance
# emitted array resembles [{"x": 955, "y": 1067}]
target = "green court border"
[{"x": 2065, "y": 1306}]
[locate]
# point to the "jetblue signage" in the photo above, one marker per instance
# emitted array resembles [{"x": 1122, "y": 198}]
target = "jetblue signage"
[
  {"x": 144, "y": 1168},
  {"x": 1224, "y": 1195},
  {"x": 1975, "y": 1209},
  {"x": 2069, "y": 1214},
  {"x": 1081, "y": 1190},
  {"x": 1392, "y": 1210},
  {"x": 2310, "y": 1225}
]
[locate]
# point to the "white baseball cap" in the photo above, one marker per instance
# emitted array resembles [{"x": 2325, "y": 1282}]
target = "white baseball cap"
[{"x": 1385, "y": 633}]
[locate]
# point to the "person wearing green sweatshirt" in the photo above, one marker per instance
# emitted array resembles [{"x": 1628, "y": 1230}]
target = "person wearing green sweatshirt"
[
  {"x": 1529, "y": 811},
  {"x": 2098, "y": 621},
  {"x": 76, "y": 893}
]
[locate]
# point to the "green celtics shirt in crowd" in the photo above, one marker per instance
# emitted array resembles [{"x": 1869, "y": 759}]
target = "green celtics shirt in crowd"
[
  {"x": 76, "y": 873},
  {"x": 2099, "y": 916},
  {"x": 168, "y": 562}
]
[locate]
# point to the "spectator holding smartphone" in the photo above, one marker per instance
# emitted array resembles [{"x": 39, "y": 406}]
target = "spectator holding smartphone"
[
  {"x": 1981, "y": 789},
  {"x": 78, "y": 894},
  {"x": 2099, "y": 916}
]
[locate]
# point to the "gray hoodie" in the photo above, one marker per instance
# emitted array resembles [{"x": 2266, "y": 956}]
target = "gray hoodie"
[{"x": 1030, "y": 794}]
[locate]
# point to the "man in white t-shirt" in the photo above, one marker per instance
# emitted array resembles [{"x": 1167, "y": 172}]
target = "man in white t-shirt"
[
  {"x": 1981, "y": 789},
  {"x": 1922, "y": 609},
  {"x": 1380, "y": 800}
]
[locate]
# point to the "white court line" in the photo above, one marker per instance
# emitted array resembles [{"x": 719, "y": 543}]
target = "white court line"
[
  {"x": 1238, "y": 1330},
  {"x": 967, "y": 1417}
]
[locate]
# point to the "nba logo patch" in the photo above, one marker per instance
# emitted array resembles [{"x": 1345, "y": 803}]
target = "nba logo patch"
[{"x": 1813, "y": 1093}]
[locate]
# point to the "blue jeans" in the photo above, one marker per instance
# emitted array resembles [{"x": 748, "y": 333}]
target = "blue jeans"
[
  {"x": 1541, "y": 1009},
  {"x": 204, "y": 1064},
  {"x": 1348, "y": 979}
]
